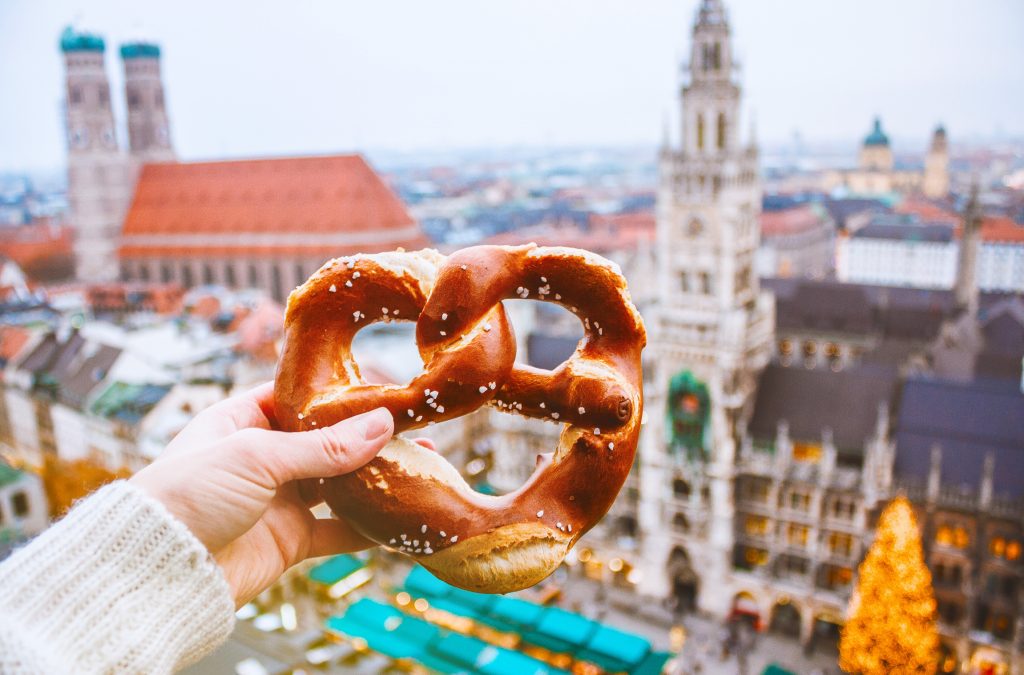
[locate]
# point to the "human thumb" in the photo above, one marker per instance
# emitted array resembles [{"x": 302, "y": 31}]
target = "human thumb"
[{"x": 318, "y": 453}]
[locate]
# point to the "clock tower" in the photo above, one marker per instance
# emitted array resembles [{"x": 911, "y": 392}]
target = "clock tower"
[{"x": 712, "y": 331}]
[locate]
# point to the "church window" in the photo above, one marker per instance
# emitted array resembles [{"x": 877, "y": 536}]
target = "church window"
[
  {"x": 705, "y": 283},
  {"x": 207, "y": 274},
  {"x": 165, "y": 273},
  {"x": 143, "y": 272},
  {"x": 229, "y": 272},
  {"x": 75, "y": 94},
  {"x": 684, "y": 282},
  {"x": 186, "y": 276},
  {"x": 755, "y": 490},
  {"x": 133, "y": 97},
  {"x": 755, "y": 556},
  {"x": 104, "y": 96},
  {"x": 716, "y": 56},
  {"x": 254, "y": 277},
  {"x": 700, "y": 132},
  {"x": 680, "y": 489},
  {"x": 799, "y": 501},
  {"x": 796, "y": 534},
  {"x": 806, "y": 452},
  {"x": 680, "y": 523},
  {"x": 721, "y": 131},
  {"x": 1001, "y": 547},
  {"x": 756, "y": 525},
  {"x": 695, "y": 228},
  {"x": 276, "y": 289},
  {"x": 300, "y": 275},
  {"x": 840, "y": 544}
]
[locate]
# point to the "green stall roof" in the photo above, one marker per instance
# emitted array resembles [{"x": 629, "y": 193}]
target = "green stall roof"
[
  {"x": 420, "y": 583},
  {"x": 460, "y": 649},
  {"x": 498, "y": 661},
  {"x": 652, "y": 665},
  {"x": 567, "y": 627},
  {"x": 335, "y": 569},
  {"x": 518, "y": 612},
  {"x": 385, "y": 629},
  {"x": 615, "y": 650},
  {"x": 776, "y": 669}
]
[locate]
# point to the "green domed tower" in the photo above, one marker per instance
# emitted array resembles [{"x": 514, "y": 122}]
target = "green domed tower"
[{"x": 875, "y": 154}]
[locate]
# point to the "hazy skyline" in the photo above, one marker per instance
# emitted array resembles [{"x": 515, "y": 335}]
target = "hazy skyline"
[{"x": 274, "y": 78}]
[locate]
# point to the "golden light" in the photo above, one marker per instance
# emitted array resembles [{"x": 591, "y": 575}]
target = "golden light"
[
  {"x": 615, "y": 565},
  {"x": 585, "y": 555},
  {"x": 421, "y": 605},
  {"x": 403, "y": 599},
  {"x": 677, "y": 638}
]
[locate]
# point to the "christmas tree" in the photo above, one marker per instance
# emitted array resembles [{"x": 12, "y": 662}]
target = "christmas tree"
[{"x": 891, "y": 622}]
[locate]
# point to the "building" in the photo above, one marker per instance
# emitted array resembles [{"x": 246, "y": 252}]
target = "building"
[
  {"x": 263, "y": 223},
  {"x": 23, "y": 507},
  {"x": 99, "y": 171},
  {"x": 711, "y": 333},
  {"x": 797, "y": 241},
  {"x": 267, "y": 223},
  {"x": 777, "y": 425},
  {"x": 878, "y": 173},
  {"x": 906, "y": 250}
]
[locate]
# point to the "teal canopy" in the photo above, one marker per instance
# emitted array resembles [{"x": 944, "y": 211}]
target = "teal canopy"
[
  {"x": 549, "y": 627},
  {"x": 615, "y": 650},
  {"x": 335, "y": 569}
]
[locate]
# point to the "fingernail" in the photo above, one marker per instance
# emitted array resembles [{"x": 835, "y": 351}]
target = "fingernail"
[{"x": 374, "y": 424}]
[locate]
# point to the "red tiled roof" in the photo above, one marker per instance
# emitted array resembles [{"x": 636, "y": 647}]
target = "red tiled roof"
[
  {"x": 37, "y": 245},
  {"x": 12, "y": 340},
  {"x": 615, "y": 232},
  {"x": 789, "y": 221},
  {"x": 927, "y": 210},
  {"x": 1001, "y": 229},
  {"x": 290, "y": 206}
]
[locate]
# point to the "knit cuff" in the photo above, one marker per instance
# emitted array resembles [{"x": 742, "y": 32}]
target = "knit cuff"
[{"x": 118, "y": 585}]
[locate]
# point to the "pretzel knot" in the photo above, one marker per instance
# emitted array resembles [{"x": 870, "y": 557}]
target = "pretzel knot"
[{"x": 412, "y": 499}]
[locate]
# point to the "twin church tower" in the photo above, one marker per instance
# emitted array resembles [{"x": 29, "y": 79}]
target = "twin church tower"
[{"x": 102, "y": 175}]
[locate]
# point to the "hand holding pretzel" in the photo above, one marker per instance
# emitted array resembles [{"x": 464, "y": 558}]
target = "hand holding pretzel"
[{"x": 412, "y": 499}]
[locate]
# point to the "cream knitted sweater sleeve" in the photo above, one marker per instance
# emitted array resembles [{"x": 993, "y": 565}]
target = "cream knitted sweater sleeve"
[{"x": 117, "y": 586}]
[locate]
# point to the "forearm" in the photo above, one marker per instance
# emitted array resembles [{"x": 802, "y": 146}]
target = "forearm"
[{"x": 118, "y": 585}]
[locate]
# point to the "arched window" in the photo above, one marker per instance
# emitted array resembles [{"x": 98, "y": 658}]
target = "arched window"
[
  {"x": 721, "y": 131},
  {"x": 680, "y": 488},
  {"x": 700, "y": 131},
  {"x": 680, "y": 523}
]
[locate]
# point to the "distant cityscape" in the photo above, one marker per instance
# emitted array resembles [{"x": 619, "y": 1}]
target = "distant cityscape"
[{"x": 829, "y": 327}]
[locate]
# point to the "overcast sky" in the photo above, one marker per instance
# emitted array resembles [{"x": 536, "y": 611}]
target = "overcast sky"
[{"x": 271, "y": 77}]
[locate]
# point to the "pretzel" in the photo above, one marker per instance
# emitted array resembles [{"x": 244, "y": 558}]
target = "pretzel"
[{"x": 410, "y": 498}]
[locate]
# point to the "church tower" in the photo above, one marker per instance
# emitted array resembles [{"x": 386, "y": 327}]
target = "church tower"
[
  {"x": 712, "y": 331},
  {"x": 97, "y": 168},
  {"x": 149, "y": 135},
  {"x": 936, "y": 166}
]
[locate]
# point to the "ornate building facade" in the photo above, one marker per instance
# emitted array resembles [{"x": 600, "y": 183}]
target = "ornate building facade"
[{"x": 711, "y": 332}]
